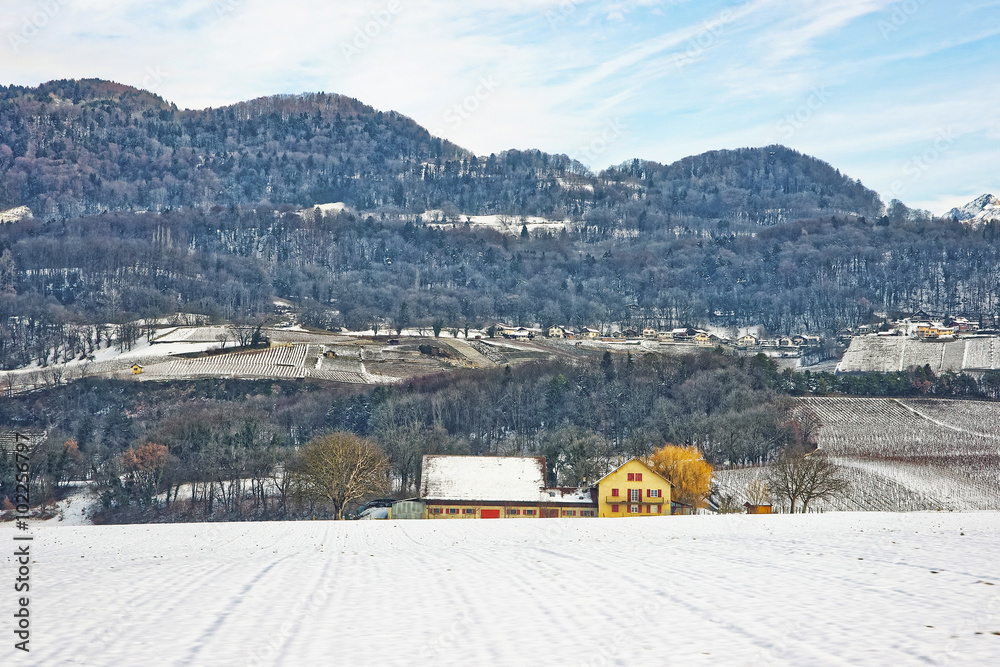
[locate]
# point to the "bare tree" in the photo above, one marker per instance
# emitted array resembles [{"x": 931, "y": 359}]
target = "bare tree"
[
  {"x": 799, "y": 475},
  {"x": 340, "y": 468},
  {"x": 247, "y": 332},
  {"x": 757, "y": 492}
]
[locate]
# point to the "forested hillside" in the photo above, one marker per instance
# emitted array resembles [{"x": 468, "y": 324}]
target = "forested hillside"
[
  {"x": 69, "y": 148},
  {"x": 142, "y": 210}
]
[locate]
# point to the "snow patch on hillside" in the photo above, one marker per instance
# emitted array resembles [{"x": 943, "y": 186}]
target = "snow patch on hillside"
[
  {"x": 505, "y": 224},
  {"x": 15, "y": 214}
]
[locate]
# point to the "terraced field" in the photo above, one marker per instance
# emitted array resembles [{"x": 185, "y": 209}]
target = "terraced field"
[
  {"x": 896, "y": 353},
  {"x": 282, "y": 362}
]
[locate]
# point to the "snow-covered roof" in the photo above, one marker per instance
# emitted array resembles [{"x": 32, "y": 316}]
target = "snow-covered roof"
[
  {"x": 567, "y": 495},
  {"x": 510, "y": 478}
]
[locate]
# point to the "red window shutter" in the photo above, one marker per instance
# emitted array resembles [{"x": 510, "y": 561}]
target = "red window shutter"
[
  {"x": 614, "y": 508},
  {"x": 638, "y": 477},
  {"x": 631, "y": 477},
  {"x": 647, "y": 509},
  {"x": 614, "y": 492}
]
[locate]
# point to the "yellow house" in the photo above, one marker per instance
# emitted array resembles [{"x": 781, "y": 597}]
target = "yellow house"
[
  {"x": 934, "y": 331},
  {"x": 633, "y": 489},
  {"x": 136, "y": 369},
  {"x": 557, "y": 332}
]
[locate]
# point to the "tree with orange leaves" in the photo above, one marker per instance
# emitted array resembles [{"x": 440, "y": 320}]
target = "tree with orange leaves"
[
  {"x": 144, "y": 467},
  {"x": 687, "y": 470}
]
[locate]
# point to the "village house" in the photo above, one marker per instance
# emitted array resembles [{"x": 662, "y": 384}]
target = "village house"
[
  {"x": 520, "y": 332},
  {"x": 136, "y": 369},
  {"x": 633, "y": 489},
  {"x": 557, "y": 332},
  {"x": 933, "y": 330},
  {"x": 747, "y": 341},
  {"x": 497, "y": 487},
  {"x": 649, "y": 333},
  {"x": 592, "y": 334},
  {"x": 964, "y": 325}
]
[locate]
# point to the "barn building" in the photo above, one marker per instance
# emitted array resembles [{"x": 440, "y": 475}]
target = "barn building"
[{"x": 496, "y": 487}]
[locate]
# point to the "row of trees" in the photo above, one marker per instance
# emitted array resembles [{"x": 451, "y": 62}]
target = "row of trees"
[{"x": 366, "y": 273}]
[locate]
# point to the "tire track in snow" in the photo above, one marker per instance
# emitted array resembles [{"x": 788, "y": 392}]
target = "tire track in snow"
[{"x": 224, "y": 616}]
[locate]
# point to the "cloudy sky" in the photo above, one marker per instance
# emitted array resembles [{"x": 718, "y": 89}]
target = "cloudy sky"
[{"x": 903, "y": 95}]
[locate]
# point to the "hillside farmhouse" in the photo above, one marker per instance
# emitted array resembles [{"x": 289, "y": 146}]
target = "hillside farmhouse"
[{"x": 496, "y": 487}]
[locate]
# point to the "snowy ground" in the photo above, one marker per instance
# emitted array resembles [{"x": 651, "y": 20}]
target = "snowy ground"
[{"x": 826, "y": 589}]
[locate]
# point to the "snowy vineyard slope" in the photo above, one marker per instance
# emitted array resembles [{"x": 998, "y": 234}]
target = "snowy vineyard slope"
[
  {"x": 902, "y": 455},
  {"x": 913, "y": 454},
  {"x": 830, "y": 589},
  {"x": 886, "y": 354}
]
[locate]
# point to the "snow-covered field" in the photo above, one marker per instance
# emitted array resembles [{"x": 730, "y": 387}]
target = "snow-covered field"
[{"x": 820, "y": 589}]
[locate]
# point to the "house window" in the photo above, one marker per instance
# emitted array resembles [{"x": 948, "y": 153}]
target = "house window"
[
  {"x": 514, "y": 512},
  {"x": 638, "y": 477},
  {"x": 437, "y": 510},
  {"x": 469, "y": 510},
  {"x": 633, "y": 509},
  {"x": 586, "y": 513},
  {"x": 530, "y": 512},
  {"x": 631, "y": 477},
  {"x": 569, "y": 512},
  {"x": 635, "y": 495},
  {"x": 614, "y": 492},
  {"x": 654, "y": 493},
  {"x": 452, "y": 510},
  {"x": 656, "y": 509},
  {"x": 614, "y": 508}
]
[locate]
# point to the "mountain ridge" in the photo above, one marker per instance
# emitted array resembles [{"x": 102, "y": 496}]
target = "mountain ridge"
[
  {"x": 981, "y": 210},
  {"x": 94, "y": 146}
]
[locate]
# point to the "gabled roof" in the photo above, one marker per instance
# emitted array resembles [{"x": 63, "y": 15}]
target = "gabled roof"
[
  {"x": 640, "y": 462},
  {"x": 494, "y": 478}
]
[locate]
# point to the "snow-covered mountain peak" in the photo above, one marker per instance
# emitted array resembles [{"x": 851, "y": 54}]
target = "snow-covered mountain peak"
[{"x": 980, "y": 210}]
